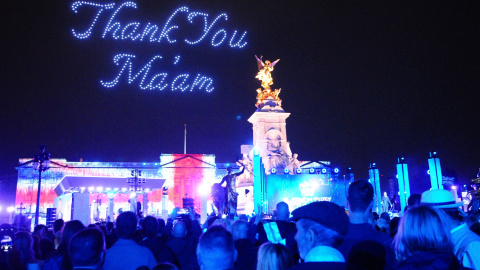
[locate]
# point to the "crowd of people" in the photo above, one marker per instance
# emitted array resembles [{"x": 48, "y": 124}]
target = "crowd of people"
[{"x": 433, "y": 233}]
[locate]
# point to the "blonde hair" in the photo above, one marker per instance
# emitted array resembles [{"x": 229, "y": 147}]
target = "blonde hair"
[
  {"x": 274, "y": 256},
  {"x": 421, "y": 229}
]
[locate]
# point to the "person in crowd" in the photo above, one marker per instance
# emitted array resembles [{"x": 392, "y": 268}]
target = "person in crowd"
[
  {"x": 184, "y": 241},
  {"x": 473, "y": 222},
  {"x": 58, "y": 225},
  {"x": 466, "y": 243},
  {"x": 153, "y": 242},
  {"x": 393, "y": 226},
  {"x": 57, "y": 229},
  {"x": 216, "y": 249},
  {"x": 161, "y": 229},
  {"x": 413, "y": 200},
  {"x": 247, "y": 252},
  {"x": 383, "y": 222},
  {"x": 274, "y": 257},
  {"x": 321, "y": 227},
  {"x": 111, "y": 237},
  {"x": 423, "y": 241},
  {"x": 375, "y": 246},
  {"x": 87, "y": 249},
  {"x": 279, "y": 230},
  {"x": 386, "y": 204},
  {"x": 126, "y": 254},
  {"x": 60, "y": 258},
  {"x": 22, "y": 255}
]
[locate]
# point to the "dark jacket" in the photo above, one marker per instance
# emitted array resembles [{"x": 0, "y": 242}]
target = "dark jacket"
[
  {"x": 159, "y": 249},
  {"x": 184, "y": 248},
  {"x": 247, "y": 255},
  {"x": 434, "y": 260},
  {"x": 367, "y": 242}
]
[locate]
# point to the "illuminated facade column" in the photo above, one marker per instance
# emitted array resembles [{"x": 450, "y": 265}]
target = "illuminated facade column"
[
  {"x": 145, "y": 204},
  {"x": 133, "y": 202},
  {"x": 374, "y": 177},
  {"x": 435, "y": 171},
  {"x": 403, "y": 183},
  {"x": 203, "y": 207},
  {"x": 165, "y": 204},
  {"x": 110, "y": 208},
  {"x": 259, "y": 183}
]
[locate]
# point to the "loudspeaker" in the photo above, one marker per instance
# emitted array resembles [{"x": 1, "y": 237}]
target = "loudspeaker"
[{"x": 51, "y": 216}]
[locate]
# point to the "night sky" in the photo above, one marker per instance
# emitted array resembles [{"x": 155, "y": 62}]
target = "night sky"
[{"x": 364, "y": 82}]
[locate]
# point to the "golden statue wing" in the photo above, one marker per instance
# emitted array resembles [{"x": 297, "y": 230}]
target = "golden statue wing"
[
  {"x": 259, "y": 62},
  {"x": 276, "y": 61}
]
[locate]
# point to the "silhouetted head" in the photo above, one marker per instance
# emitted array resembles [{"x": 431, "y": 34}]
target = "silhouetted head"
[
  {"x": 126, "y": 225},
  {"x": 360, "y": 196},
  {"x": 150, "y": 226},
  {"x": 179, "y": 229},
  {"x": 216, "y": 249},
  {"x": 58, "y": 225},
  {"x": 239, "y": 229},
  {"x": 282, "y": 211},
  {"x": 87, "y": 249},
  {"x": 420, "y": 230},
  {"x": 274, "y": 256}
]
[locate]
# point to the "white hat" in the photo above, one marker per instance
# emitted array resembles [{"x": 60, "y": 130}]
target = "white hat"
[{"x": 440, "y": 198}]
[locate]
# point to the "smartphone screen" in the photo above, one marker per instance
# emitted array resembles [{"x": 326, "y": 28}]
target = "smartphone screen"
[{"x": 6, "y": 244}]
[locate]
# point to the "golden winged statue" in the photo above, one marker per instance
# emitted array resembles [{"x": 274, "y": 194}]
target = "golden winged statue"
[
  {"x": 265, "y": 75},
  {"x": 264, "y": 72}
]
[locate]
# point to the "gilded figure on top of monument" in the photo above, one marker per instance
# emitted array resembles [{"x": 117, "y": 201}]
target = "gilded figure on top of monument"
[
  {"x": 266, "y": 95},
  {"x": 264, "y": 72}
]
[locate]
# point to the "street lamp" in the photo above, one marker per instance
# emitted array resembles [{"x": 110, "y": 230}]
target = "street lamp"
[{"x": 41, "y": 163}]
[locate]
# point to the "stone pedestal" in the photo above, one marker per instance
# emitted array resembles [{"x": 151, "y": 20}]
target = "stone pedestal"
[{"x": 270, "y": 136}]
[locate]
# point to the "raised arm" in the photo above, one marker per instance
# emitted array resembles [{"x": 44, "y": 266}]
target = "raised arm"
[{"x": 239, "y": 173}]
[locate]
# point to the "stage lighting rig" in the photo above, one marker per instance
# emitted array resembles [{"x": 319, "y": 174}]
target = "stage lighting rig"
[{"x": 136, "y": 182}]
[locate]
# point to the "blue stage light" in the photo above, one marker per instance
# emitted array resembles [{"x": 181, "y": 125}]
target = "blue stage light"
[
  {"x": 273, "y": 171},
  {"x": 428, "y": 171},
  {"x": 336, "y": 170},
  {"x": 324, "y": 170},
  {"x": 286, "y": 171},
  {"x": 311, "y": 170},
  {"x": 299, "y": 171}
]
